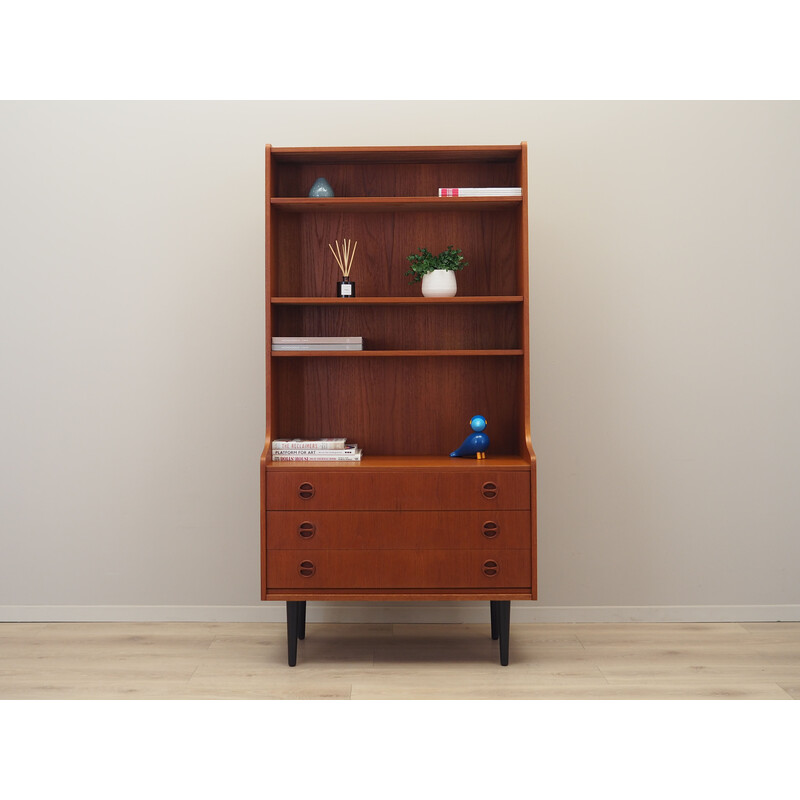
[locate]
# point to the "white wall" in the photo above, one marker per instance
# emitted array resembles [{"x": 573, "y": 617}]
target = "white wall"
[{"x": 665, "y": 273}]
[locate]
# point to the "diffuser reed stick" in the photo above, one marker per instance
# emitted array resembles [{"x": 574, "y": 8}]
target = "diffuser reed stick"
[{"x": 344, "y": 256}]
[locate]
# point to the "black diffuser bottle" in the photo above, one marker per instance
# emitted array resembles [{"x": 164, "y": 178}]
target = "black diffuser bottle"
[{"x": 346, "y": 288}]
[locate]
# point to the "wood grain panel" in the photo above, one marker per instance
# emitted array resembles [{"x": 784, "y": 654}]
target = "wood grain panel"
[
  {"x": 390, "y": 530},
  {"x": 399, "y": 406},
  {"x": 403, "y": 490},
  {"x": 306, "y": 268},
  {"x": 392, "y": 179},
  {"x": 397, "y": 569},
  {"x": 453, "y": 327},
  {"x": 408, "y": 154}
]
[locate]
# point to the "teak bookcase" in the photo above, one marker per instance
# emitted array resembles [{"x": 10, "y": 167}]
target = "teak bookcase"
[{"x": 407, "y": 522}]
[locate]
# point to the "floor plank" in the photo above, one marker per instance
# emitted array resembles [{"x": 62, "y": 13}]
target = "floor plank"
[{"x": 399, "y": 661}]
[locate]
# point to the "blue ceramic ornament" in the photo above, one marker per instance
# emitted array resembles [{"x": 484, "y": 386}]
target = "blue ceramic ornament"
[
  {"x": 321, "y": 188},
  {"x": 477, "y": 443}
]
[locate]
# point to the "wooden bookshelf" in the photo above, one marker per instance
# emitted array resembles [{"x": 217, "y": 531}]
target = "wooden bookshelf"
[{"x": 428, "y": 365}]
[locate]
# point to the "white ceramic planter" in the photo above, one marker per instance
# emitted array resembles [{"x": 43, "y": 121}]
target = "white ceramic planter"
[{"x": 439, "y": 283}]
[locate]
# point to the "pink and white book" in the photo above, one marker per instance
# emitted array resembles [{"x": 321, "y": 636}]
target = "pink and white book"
[
  {"x": 486, "y": 191},
  {"x": 330, "y": 455}
]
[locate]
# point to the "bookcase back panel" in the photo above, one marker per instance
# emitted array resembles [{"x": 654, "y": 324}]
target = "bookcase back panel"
[
  {"x": 393, "y": 179},
  {"x": 399, "y": 406},
  {"x": 305, "y": 267},
  {"x": 456, "y": 327}
]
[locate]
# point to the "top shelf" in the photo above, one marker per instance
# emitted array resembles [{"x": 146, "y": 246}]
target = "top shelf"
[
  {"x": 412, "y": 155},
  {"x": 333, "y": 204}
]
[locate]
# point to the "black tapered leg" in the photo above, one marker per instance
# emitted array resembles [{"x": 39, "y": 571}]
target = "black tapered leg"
[
  {"x": 504, "y": 624},
  {"x": 292, "y": 617},
  {"x": 301, "y": 619},
  {"x": 493, "y": 611}
]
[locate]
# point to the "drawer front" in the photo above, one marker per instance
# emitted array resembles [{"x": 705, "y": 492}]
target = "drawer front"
[
  {"x": 392, "y": 530},
  {"x": 399, "y": 569},
  {"x": 409, "y": 490}
]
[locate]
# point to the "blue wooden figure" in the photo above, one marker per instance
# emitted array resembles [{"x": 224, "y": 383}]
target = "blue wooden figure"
[{"x": 476, "y": 444}]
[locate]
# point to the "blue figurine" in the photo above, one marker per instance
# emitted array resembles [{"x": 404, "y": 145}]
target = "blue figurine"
[{"x": 476, "y": 444}]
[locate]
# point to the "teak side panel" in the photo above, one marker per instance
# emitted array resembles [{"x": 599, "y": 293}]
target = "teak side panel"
[
  {"x": 398, "y": 569},
  {"x": 392, "y": 530}
]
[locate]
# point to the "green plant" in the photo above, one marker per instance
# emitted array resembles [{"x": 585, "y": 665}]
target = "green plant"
[{"x": 424, "y": 262}]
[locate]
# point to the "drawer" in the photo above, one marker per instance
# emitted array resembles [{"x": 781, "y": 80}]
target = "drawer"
[
  {"x": 396, "y": 491},
  {"x": 389, "y": 530},
  {"x": 399, "y": 569}
]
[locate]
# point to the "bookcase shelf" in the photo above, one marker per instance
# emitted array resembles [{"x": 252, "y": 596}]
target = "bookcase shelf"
[
  {"x": 417, "y": 462},
  {"x": 395, "y": 301},
  {"x": 407, "y": 521},
  {"x": 389, "y": 353},
  {"x": 318, "y": 205},
  {"x": 326, "y": 156}
]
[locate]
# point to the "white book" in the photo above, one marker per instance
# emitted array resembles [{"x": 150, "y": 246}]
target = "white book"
[
  {"x": 332, "y": 455},
  {"x": 285, "y": 347},
  {"x": 348, "y": 449},
  {"x": 308, "y": 444},
  {"x": 317, "y": 339}
]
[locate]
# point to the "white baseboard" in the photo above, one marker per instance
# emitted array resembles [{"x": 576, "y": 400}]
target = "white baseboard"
[{"x": 400, "y": 612}]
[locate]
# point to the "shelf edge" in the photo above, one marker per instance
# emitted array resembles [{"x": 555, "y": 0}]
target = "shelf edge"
[
  {"x": 377, "y": 301},
  {"x": 391, "y": 353}
]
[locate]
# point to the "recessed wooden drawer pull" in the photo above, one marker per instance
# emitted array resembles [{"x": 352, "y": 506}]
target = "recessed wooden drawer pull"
[
  {"x": 307, "y": 568},
  {"x": 490, "y": 529},
  {"x": 490, "y": 568},
  {"x": 489, "y": 490},
  {"x": 306, "y": 491},
  {"x": 306, "y": 529}
]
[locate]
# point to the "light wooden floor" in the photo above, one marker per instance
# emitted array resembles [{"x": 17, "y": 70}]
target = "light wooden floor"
[{"x": 364, "y": 661}]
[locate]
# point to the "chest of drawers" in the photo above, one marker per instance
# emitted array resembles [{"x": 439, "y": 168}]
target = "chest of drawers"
[{"x": 389, "y": 531}]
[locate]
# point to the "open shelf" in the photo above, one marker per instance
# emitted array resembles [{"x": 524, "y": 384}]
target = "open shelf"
[
  {"x": 408, "y": 327},
  {"x": 413, "y": 154},
  {"x": 398, "y": 403}
]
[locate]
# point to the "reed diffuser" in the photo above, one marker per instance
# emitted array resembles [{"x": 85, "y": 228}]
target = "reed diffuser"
[{"x": 344, "y": 258}]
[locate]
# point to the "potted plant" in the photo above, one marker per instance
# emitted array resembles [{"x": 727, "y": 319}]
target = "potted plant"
[{"x": 437, "y": 273}]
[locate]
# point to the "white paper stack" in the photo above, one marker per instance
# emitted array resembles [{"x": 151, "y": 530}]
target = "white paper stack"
[{"x": 317, "y": 343}]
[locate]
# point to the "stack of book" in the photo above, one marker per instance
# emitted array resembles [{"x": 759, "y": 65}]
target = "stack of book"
[
  {"x": 315, "y": 450},
  {"x": 486, "y": 191},
  {"x": 317, "y": 343}
]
